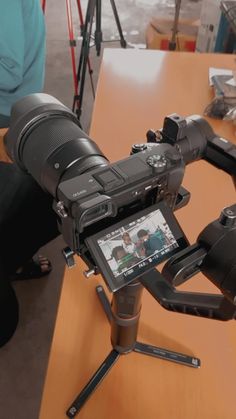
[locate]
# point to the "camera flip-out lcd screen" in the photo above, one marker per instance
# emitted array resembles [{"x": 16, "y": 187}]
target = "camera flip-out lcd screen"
[{"x": 126, "y": 250}]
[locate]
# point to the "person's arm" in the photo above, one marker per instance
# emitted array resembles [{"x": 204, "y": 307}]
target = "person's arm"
[{"x": 11, "y": 45}]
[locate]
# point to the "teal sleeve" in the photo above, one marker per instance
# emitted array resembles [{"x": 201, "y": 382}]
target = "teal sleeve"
[{"x": 11, "y": 44}]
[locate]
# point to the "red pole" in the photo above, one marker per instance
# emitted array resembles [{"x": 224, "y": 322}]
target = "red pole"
[
  {"x": 72, "y": 46},
  {"x": 80, "y": 13},
  {"x": 43, "y": 3}
]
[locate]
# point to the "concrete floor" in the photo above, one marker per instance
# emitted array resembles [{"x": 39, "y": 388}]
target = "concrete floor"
[
  {"x": 134, "y": 17},
  {"x": 23, "y": 361}
]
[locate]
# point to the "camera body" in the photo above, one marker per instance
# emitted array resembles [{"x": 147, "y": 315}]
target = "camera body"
[
  {"x": 121, "y": 197},
  {"x": 97, "y": 201},
  {"x": 142, "y": 179},
  {"x": 98, "y": 198}
]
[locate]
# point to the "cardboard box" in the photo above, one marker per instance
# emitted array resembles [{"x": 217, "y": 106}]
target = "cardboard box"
[{"x": 159, "y": 34}]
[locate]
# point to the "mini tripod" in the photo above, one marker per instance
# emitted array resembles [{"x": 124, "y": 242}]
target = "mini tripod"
[
  {"x": 123, "y": 315},
  {"x": 93, "y": 8}
]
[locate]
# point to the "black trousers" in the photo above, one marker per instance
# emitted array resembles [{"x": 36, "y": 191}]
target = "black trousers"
[
  {"x": 27, "y": 222},
  {"x": 4, "y": 121}
]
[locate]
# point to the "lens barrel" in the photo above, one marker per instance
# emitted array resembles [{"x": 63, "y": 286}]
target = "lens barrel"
[{"x": 45, "y": 140}]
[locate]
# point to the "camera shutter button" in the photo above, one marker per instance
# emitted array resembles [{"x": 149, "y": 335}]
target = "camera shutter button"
[
  {"x": 157, "y": 162},
  {"x": 173, "y": 156}
]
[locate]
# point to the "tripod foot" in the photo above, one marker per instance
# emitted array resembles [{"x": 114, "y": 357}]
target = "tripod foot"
[
  {"x": 93, "y": 383},
  {"x": 167, "y": 355},
  {"x": 123, "y": 43}
]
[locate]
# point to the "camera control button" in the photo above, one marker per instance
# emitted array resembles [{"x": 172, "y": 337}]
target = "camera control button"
[
  {"x": 157, "y": 162},
  {"x": 228, "y": 216},
  {"x": 173, "y": 156},
  {"x": 136, "y": 148}
]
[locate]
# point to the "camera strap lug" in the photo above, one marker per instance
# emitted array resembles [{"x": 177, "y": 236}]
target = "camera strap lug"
[
  {"x": 61, "y": 209},
  {"x": 69, "y": 257},
  {"x": 89, "y": 273}
]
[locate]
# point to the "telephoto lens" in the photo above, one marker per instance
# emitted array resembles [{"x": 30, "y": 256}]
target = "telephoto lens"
[{"x": 45, "y": 140}]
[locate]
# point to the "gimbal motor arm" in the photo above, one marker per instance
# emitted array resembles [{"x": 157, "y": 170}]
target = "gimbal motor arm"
[
  {"x": 214, "y": 252},
  {"x": 222, "y": 154},
  {"x": 196, "y": 140}
]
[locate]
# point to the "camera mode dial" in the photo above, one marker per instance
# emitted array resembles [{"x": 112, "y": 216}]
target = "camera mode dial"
[{"x": 158, "y": 162}]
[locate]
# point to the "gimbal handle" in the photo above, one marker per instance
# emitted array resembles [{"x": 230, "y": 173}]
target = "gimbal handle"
[
  {"x": 202, "y": 305},
  {"x": 214, "y": 256}
]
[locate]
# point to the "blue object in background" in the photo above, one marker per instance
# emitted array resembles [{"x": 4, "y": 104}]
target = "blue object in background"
[{"x": 226, "y": 35}]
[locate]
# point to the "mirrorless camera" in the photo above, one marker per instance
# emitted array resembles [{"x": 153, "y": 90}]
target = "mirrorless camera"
[
  {"x": 90, "y": 193},
  {"x": 97, "y": 202},
  {"x": 119, "y": 217}
]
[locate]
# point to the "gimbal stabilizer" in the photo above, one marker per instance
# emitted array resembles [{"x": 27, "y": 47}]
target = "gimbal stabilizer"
[
  {"x": 213, "y": 255},
  {"x": 93, "y": 196}
]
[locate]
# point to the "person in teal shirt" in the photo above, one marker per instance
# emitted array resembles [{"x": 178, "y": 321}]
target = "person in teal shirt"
[
  {"x": 27, "y": 220},
  {"x": 22, "y": 53}
]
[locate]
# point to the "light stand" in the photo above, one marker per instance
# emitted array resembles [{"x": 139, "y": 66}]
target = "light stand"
[
  {"x": 72, "y": 44},
  {"x": 93, "y": 8},
  {"x": 172, "y": 43},
  {"x": 123, "y": 314}
]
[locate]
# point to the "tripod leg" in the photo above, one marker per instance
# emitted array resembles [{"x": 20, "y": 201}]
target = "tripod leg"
[
  {"x": 122, "y": 39},
  {"x": 84, "y": 53},
  {"x": 167, "y": 355},
  {"x": 72, "y": 49},
  {"x": 93, "y": 383},
  {"x": 98, "y": 30},
  {"x": 104, "y": 301},
  {"x": 81, "y": 29}
]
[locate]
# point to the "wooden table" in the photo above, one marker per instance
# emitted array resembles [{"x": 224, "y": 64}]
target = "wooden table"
[{"x": 136, "y": 90}]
